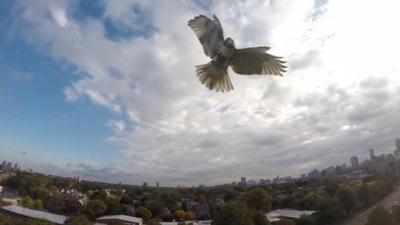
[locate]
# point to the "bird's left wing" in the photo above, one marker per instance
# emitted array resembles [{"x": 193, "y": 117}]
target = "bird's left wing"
[
  {"x": 209, "y": 32},
  {"x": 256, "y": 60}
]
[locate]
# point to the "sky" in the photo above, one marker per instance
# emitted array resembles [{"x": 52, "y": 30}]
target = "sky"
[{"x": 106, "y": 90}]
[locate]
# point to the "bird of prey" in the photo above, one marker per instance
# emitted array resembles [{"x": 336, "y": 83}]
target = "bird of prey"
[{"x": 245, "y": 61}]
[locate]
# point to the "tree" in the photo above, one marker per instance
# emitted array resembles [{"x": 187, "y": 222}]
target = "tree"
[
  {"x": 143, "y": 213},
  {"x": 285, "y": 222},
  {"x": 306, "y": 220},
  {"x": 3, "y": 203},
  {"x": 27, "y": 202},
  {"x": 153, "y": 222},
  {"x": 380, "y": 216},
  {"x": 259, "y": 199},
  {"x": 78, "y": 220},
  {"x": 113, "y": 206},
  {"x": 94, "y": 208},
  {"x": 235, "y": 213},
  {"x": 260, "y": 219},
  {"x": 330, "y": 209},
  {"x": 364, "y": 194},
  {"x": 180, "y": 215},
  {"x": 348, "y": 198},
  {"x": 37, "y": 204},
  {"x": 331, "y": 187}
]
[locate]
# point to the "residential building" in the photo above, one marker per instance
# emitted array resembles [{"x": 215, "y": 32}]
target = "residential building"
[
  {"x": 278, "y": 214},
  {"x": 126, "y": 220},
  {"x": 34, "y": 214}
]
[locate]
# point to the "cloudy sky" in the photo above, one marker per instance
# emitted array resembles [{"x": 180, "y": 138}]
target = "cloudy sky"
[{"x": 106, "y": 90}]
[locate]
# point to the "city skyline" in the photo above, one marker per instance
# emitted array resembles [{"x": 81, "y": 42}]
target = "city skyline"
[{"x": 107, "y": 90}]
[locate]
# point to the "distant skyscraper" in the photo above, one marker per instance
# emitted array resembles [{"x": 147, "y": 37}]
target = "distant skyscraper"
[
  {"x": 354, "y": 162},
  {"x": 157, "y": 184},
  {"x": 371, "y": 154},
  {"x": 398, "y": 144},
  {"x": 243, "y": 181}
]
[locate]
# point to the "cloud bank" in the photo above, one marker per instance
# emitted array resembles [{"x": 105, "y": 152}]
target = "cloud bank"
[{"x": 137, "y": 58}]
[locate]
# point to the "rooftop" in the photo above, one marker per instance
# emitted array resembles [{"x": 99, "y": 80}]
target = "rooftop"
[
  {"x": 121, "y": 217},
  {"x": 288, "y": 213},
  {"x": 35, "y": 214}
]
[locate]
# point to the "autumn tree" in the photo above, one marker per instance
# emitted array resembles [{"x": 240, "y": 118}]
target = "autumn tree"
[
  {"x": 143, "y": 213},
  {"x": 37, "y": 204},
  {"x": 27, "y": 202}
]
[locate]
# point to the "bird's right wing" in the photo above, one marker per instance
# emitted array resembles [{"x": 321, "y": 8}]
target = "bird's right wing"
[
  {"x": 256, "y": 60},
  {"x": 209, "y": 32}
]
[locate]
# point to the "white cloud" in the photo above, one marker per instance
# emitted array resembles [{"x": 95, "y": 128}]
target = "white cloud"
[{"x": 185, "y": 133}]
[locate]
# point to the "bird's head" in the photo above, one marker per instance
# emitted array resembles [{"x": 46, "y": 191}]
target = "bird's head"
[{"x": 229, "y": 43}]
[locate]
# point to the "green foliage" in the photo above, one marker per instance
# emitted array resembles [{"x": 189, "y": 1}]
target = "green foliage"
[
  {"x": 27, "y": 202},
  {"x": 331, "y": 187},
  {"x": 143, "y": 213},
  {"x": 348, "y": 198},
  {"x": 113, "y": 206},
  {"x": 380, "y": 216},
  {"x": 330, "y": 209},
  {"x": 235, "y": 213},
  {"x": 259, "y": 199},
  {"x": 285, "y": 222},
  {"x": 78, "y": 220},
  {"x": 94, "y": 208},
  {"x": 3, "y": 203},
  {"x": 153, "y": 222},
  {"x": 37, "y": 204},
  {"x": 306, "y": 220},
  {"x": 260, "y": 218},
  {"x": 364, "y": 194}
]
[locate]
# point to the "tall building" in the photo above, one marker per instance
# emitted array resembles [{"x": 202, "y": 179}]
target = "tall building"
[
  {"x": 371, "y": 154},
  {"x": 157, "y": 184},
  {"x": 354, "y": 162},
  {"x": 398, "y": 144},
  {"x": 243, "y": 181}
]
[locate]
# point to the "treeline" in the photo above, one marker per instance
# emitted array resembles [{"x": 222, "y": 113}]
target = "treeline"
[{"x": 333, "y": 199}]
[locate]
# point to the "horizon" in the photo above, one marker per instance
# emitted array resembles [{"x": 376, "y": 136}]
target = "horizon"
[{"x": 107, "y": 90}]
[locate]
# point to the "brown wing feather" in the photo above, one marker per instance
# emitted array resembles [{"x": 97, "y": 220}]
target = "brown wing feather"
[
  {"x": 249, "y": 61},
  {"x": 209, "y": 32}
]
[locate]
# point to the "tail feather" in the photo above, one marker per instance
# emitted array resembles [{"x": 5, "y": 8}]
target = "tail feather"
[{"x": 214, "y": 76}]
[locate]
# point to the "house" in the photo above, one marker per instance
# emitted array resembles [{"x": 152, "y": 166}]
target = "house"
[
  {"x": 278, "y": 214},
  {"x": 127, "y": 220},
  {"x": 34, "y": 214}
]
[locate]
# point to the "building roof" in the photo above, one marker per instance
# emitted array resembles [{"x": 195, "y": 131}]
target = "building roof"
[
  {"x": 289, "y": 213},
  {"x": 35, "y": 214},
  {"x": 122, "y": 218},
  {"x": 199, "y": 222}
]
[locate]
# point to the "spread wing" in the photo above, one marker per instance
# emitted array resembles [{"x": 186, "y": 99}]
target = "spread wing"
[
  {"x": 209, "y": 33},
  {"x": 256, "y": 60}
]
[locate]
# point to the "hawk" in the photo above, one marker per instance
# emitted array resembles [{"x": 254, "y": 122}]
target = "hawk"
[{"x": 245, "y": 61}]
